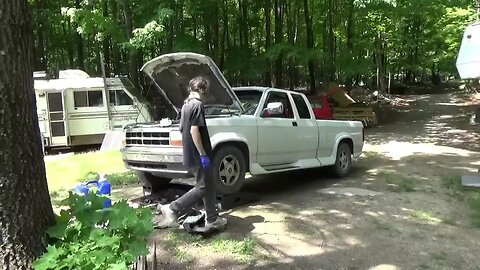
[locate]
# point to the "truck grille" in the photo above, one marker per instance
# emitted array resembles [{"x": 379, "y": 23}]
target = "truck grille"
[{"x": 147, "y": 138}]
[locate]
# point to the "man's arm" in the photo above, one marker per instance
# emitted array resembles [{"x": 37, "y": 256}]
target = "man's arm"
[{"x": 197, "y": 139}]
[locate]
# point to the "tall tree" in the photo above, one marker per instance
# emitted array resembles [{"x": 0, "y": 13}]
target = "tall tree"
[
  {"x": 25, "y": 207},
  {"x": 79, "y": 43},
  {"x": 278, "y": 81},
  {"x": 127, "y": 14},
  {"x": 298, "y": 40},
  {"x": 310, "y": 44},
  {"x": 268, "y": 39}
]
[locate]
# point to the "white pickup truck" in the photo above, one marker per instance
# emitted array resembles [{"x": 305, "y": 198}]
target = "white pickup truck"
[{"x": 260, "y": 130}]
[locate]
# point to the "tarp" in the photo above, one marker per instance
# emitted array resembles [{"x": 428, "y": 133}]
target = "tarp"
[{"x": 337, "y": 94}]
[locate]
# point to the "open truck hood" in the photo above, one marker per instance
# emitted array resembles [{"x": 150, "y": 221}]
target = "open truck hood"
[{"x": 172, "y": 72}]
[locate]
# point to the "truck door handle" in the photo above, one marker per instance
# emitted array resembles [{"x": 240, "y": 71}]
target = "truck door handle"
[{"x": 294, "y": 123}]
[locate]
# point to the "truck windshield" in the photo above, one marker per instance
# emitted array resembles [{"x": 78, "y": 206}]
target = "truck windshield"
[{"x": 248, "y": 98}]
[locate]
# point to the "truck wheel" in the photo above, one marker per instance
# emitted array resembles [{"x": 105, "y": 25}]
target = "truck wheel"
[
  {"x": 152, "y": 183},
  {"x": 343, "y": 162},
  {"x": 229, "y": 169}
]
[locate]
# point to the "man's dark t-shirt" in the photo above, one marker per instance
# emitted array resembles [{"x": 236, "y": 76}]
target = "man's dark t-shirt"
[{"x": 193, "y": 114}]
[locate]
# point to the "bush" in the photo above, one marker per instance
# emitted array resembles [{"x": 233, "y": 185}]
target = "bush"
[{"x": 88, "y": 237}]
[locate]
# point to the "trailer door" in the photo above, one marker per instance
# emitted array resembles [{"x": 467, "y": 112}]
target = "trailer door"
[{"x": 56, "y": 117}]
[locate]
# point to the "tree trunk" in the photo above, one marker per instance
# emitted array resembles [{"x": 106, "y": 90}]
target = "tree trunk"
[
  {"x": 115, "y": 49},
  {"x": 79, "y": 42},
  {"x": 40, "y": 53},
  {"x": 268, "y": 40},
  {"x": 330, "y": 44},
  {"x": 290, "y": 37},
  {"x": 310, "y": 45},
  {"x": 25, "y": 207},
  {"x": 69, "y": 48},
  {"x": 207, "y": 35},
  {"x": 106, "y": 42},
  {"x": 379, "y": 59},
  {"x": 351, "y": 8},
  {"x": 245, "y": 26},
  {"x": 129, "y": 31},
  {"x": 278, "y": 82},
  {"x": 171, "y": 27},
  {"x": 224, "y": 41},
  {"x": 216, "y": 35}
]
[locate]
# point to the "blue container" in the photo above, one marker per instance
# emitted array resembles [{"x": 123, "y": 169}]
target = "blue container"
[{"x": 103, "y": 186}]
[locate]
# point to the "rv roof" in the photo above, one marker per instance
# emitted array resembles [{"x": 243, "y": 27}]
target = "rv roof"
[{"x": 75, "y": 83}]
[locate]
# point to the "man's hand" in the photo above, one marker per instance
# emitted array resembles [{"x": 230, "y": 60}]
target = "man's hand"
[{"x": 205, "y": 161}]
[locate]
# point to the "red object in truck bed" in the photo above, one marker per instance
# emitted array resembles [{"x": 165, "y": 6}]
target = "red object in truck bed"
[{"x": 321, "y": 107}]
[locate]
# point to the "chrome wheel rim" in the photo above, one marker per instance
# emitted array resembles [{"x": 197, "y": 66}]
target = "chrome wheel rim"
[
  {"x": 343, "y": 160},
  {"x": 229, "y": 170}
]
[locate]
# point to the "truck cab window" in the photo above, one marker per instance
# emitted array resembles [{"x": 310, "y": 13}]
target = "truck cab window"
[
  {"x": 119, "y": 98},
  {"x": 302, "y": 108},
  {"x": 283, "y": 98},
  {"x": 88, "y": 98}
]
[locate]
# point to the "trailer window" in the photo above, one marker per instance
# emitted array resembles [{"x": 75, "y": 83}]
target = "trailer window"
[
  {"x": 88, "y": 98},
  {"x": 119, "y": 98}
]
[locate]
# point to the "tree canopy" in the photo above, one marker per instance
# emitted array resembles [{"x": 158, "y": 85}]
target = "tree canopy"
[{"x": 282, "y": 43}]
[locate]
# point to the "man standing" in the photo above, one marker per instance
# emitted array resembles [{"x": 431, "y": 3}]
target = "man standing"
[{"x": 197, "y": 153}]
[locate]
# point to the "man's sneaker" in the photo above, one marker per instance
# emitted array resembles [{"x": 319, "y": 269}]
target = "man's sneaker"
[
  {"x": 219, "y": 223},
  {"x": 168, "y": 218}
]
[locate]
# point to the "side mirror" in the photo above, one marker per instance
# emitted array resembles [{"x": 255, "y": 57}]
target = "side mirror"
[{"x": 273, "y": 108}]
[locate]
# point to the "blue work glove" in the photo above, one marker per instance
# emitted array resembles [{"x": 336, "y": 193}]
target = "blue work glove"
[{"x": 205, "y": 161}]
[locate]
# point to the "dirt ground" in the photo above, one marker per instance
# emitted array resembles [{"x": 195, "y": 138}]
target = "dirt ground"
[{"x": 414, "y": 220}]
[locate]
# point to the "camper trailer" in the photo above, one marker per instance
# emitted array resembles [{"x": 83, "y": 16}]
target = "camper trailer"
[
  {"x": 468, "y": 59},
  {"x": 78, "y": 110}
]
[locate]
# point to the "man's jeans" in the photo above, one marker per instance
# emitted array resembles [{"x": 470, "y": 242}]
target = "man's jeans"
[{"x": 204, "y": 189}]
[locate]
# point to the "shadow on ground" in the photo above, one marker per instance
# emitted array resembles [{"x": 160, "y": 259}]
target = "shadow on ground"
[
  {"x": 295, "y": 226},
  {"x": 419, "y": 220}
]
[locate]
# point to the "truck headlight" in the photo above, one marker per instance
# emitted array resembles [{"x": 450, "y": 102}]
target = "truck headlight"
[{"x": 175, "y": 138}]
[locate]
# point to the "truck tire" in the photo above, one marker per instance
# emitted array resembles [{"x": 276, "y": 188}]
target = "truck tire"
[
  {"x": 152, "y": 183},
  {"x": 343, "y": 162},
  {"x": 229, "y": 168}
]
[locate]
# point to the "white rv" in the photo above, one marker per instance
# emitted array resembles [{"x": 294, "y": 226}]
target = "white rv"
[
  {"x": 468, "y": 59},
  {"x": 76, "y": 109}
]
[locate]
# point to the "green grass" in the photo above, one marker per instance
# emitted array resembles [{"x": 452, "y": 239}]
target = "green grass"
[
  {"x": 65, "y": 173},
  {"x": 382, "y": 226},
  {"x": 454, "y": 187},
  {"x": 398, "y": 183},
  {"x": 244, "y": 248},
  {"x": 179, "y": 242},
  {"x": 423, "y": 215},
  {"x": 407, "y": 185},
  {"x": 423, "y": 266},
  {"x": 474, "y": 203},
  {"x": 440, "y": 256}
]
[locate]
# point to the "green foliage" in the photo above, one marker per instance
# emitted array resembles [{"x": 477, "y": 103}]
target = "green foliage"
[
  {"x": 89, "y": 237},
  {"x": 415, "y": 37},
  {"x": 147, "y": 36}
]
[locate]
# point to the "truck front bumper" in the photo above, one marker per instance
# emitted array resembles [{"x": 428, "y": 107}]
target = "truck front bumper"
[{"x": 164, "y": 162}]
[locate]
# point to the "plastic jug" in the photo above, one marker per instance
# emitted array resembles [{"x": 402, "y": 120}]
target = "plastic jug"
[{"x": 103, "y": 186}]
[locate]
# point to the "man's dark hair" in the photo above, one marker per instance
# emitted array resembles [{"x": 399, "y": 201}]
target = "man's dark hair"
[{"x": 198, "y": 84}]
